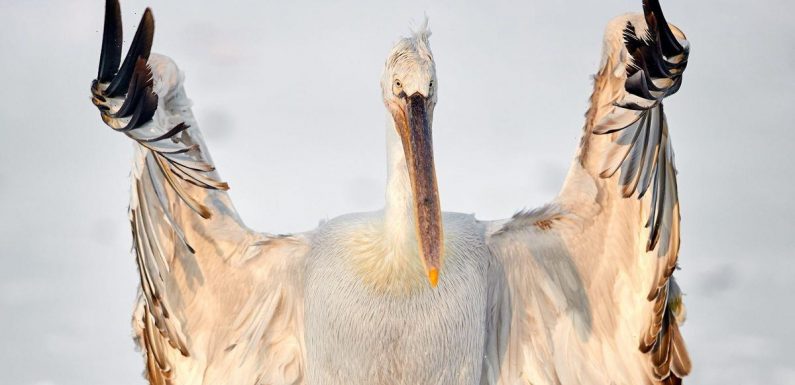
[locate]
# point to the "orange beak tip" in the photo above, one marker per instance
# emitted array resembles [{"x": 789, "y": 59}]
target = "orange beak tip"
[{"x": 433, "y": 276}]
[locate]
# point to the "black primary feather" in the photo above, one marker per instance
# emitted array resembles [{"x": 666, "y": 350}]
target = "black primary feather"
[
  {"x": 140, "y": 47},
  {"x": 655, "y": 19},
  {"x": 141, "y": 80},
  {"x": 112, "y": 37}
]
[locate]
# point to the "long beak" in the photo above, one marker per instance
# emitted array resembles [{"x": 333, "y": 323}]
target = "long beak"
[{"x": 415, "y": 132}]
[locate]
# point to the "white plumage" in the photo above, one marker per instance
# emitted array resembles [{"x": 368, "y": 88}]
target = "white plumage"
[{"x": 579, "y": 291}]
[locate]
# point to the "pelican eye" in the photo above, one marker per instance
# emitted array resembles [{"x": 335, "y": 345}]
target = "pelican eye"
[
  {"x": 398, "y": 84},
  {"x": 430, "y": 85}
]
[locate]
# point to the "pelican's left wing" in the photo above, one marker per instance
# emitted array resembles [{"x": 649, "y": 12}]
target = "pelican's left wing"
[
  {"x": 584, "y": 286},
  {"x": 219, "y": 303}
]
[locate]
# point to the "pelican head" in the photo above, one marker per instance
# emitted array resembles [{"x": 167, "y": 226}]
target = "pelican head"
[{"x": 409, "y": 91}]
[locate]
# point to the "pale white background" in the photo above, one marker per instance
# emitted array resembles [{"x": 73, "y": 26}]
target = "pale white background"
[{"x": 287, "y": 94}]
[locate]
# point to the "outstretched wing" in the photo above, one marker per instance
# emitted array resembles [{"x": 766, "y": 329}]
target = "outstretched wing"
[
  {"x": 218, "y": 302},
  {"x": 609, "y": 243}
]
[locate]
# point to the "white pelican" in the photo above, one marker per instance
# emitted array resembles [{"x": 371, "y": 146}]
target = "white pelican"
[{"x": 579, "y": 291}]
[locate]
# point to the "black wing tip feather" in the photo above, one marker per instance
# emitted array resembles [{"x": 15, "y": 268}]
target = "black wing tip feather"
[
  {"x": 144, "y": 110},
  {"x": 140, "y": 47},
  {"x": 656, "y": 19},
  {"x": 133, "y": 78},
  {"x": 659, "y": 49},
  {"x": 141, "y": 80},
  {"x": 112, "y": 38}
]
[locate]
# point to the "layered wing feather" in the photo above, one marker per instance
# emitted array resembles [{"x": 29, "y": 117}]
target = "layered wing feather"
[
  {"x": 616, "y": 220},
  {"x": 641, "y": 150},
  {"x": 218, "y": 302}
]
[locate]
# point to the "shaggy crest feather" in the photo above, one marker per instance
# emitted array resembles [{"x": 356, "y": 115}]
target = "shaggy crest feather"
[{"x": 414, "y": 49}]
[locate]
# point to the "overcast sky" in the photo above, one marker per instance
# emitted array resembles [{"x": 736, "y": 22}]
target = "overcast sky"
[{"x": 287, "y": 95}]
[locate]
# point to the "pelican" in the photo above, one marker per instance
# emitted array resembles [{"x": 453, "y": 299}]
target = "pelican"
[{"x": 579, "y": 291}]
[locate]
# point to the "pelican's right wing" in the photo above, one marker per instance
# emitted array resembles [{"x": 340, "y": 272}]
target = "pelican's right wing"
[{"x": 218, "y": 303}]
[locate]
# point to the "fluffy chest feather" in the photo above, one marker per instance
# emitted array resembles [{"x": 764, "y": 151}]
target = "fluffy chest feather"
[{"x": 401, "y": 331}]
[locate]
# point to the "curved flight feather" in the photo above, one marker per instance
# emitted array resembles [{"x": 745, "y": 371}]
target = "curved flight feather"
[
  {"x": 612, "y": 235},
  {"x": 216, "y": 298}
]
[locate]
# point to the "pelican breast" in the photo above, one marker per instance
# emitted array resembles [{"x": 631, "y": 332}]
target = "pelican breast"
[{"x": 396, "y": 332}]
